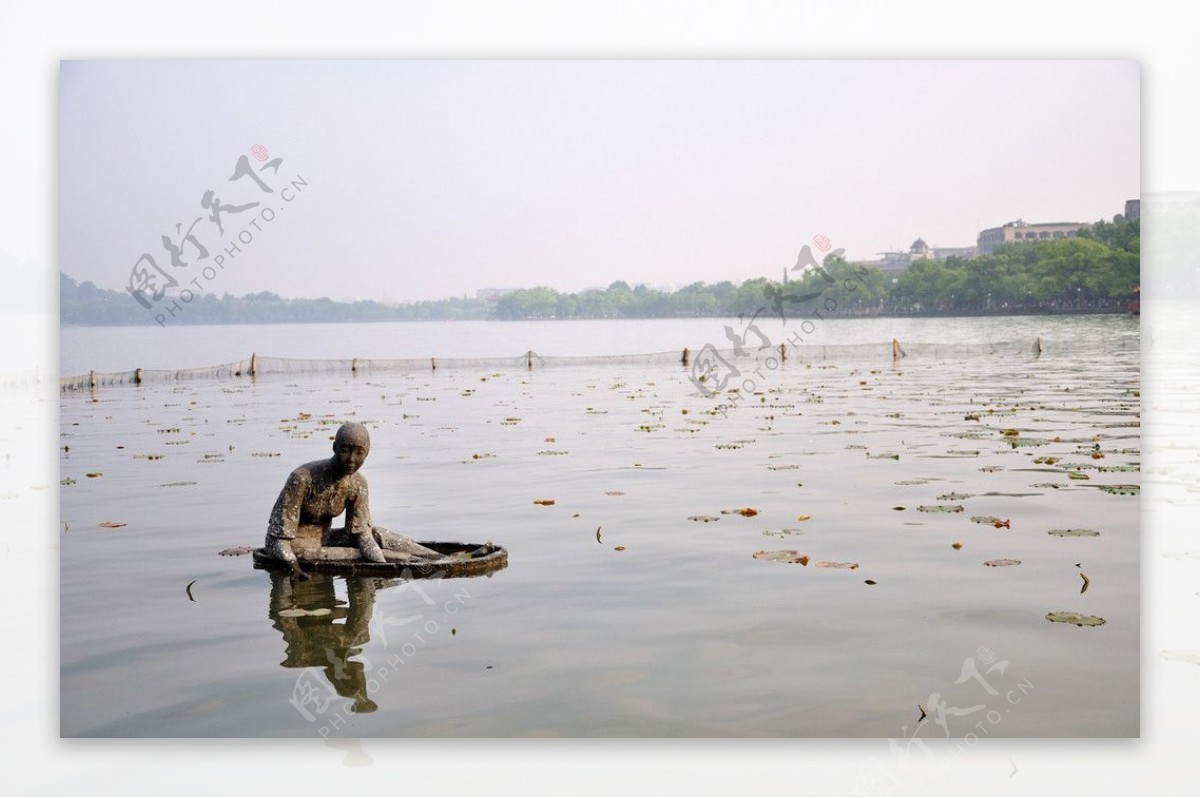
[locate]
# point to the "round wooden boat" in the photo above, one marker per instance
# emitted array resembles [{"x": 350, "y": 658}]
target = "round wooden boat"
[{"x": 345, "y": 560}]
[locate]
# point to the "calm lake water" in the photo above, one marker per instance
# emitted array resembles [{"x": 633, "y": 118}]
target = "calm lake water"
[
  {"x": 619, "y": 614},
  {"x": 182, "y": 347}
]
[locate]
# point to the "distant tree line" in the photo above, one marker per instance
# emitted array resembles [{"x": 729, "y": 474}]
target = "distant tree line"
[
  {"x": 86, "y": 304},
  {"x": 1096, "y": 271}
]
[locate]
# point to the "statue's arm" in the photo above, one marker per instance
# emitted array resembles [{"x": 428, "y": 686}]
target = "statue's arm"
[
  {"x": 285, "y": 520},
  {"x": 358, "y": 522}
]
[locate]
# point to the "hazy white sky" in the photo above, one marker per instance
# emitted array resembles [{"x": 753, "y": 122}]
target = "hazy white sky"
[{"x": 427, "y": 179}]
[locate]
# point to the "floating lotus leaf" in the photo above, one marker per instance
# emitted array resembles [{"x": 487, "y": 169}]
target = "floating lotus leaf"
[
  {"x": 236, "y": 551},
  {"x": 544, "y": 502},
  {"x": 940, "y": 508},
  {"x": 1107, "y": 469},
  {"x": 1121, "y": 490},
  {"x": 1077, "y": 475},
  {"x": 704, "y": 518},
  {"x": 911, "y": 481},
  {"x": 963, "y": 452},
  {"x": 849, "y": 566},
  {"x": 747, "y": 512},
  {"x": 955, "y": 497},
  {"x": 781, "y": 533},
  {"x": 1000, "y": 563},
  {"x": 883, "y": 456},
  {"x": 1073, "y": 533},
  {"x": 991, "y": 469},
  {"x": 112, "y": 524},
  {"x": 991, "y": 520},
  {"x": 1075, "y": 618},
  {"x": 784, "y": 555}
]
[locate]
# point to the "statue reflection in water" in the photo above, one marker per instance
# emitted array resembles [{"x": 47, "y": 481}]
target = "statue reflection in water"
[{"x": 322, "y": 632}]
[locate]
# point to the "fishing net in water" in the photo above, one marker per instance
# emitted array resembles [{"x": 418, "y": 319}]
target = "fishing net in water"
[{"x": 700, "y": 358}]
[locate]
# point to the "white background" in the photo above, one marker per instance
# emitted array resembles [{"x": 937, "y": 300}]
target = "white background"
[{"x": 34, "y": 37}]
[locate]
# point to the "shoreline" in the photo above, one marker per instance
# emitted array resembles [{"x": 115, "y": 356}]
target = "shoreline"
[{"x": 827, "y": 317}]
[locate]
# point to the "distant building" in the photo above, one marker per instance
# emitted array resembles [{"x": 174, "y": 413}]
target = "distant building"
[
  {"x": 1133, "y": 209},
  {"x": 1021, "y": 231},
  {"x": 491, "y": 296},
  {"x": 897, "y": 262}
]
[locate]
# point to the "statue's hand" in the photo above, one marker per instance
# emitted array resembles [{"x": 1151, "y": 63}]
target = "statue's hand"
[{"x": 370, "y": 549}]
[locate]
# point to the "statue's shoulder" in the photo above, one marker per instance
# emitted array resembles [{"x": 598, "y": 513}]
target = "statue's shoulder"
[{"x": 309, "y": 471}]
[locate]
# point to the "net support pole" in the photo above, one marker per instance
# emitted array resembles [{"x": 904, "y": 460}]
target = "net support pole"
[
  {"x": 684, "y": 358},
  {"x": 433, "y": 363},
  {"x": 783, "y": 353},
  {"x": 92, "y": 378},
  {"x": 137, "y": 376},
  {"x": 529, "y": 360},
  {"x": 253, "y": 364},
  {"x": 354, "y": 366}
]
